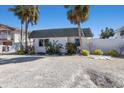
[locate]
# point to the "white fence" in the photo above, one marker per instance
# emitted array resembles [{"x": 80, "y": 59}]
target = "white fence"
[{"x": 104, "y": 44}]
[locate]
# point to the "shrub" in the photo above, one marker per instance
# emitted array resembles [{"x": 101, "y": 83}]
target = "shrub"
[
  {"x": 21, "y": 52},
  {"x": 98, "y": 52},
  {"x": 53, "y": 48},
  {"x": 71, "y": 48},
  {"x": 113, "y": 53},
  {"x": 85, "y": 52},
  {"x": 50, "y": 49},
  {"x": 31, "y": 51}
]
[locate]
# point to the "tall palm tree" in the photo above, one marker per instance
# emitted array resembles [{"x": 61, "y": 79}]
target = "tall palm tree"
[
  {"x": 28, "y": 14},
  {"x": 31, "y": 16},
  {"x": 18, "y": 11},
  {"x": 78, "y": 14}
]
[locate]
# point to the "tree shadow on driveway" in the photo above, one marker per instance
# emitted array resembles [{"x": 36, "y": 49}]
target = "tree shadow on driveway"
[{"x": 18, "y": 60}]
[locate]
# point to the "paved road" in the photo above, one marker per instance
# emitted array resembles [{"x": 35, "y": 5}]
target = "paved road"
[{"x": 64, "y": 71}]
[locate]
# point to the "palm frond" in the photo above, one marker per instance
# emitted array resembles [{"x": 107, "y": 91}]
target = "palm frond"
[{"x": 77, "y": 13}]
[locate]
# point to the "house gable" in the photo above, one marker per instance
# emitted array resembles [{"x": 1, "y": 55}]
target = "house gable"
[{"x": 8, "y": 28}]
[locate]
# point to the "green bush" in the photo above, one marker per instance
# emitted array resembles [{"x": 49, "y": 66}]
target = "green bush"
[
  {"x": 31, "y": 51},
  {"x": 85, "y": 52},
  {"x": 53, "y": 48},
  {"x": 98, "y": 52},
  {"x": 21, "y": 52},
  {"x": 71, "y": 48},
  {"x": 50, "y": 49},
  {"x": 113, "y": 53}
]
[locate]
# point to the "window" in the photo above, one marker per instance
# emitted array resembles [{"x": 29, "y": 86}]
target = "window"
[
  {"x": 77, "y": 42},
  {"x": 41, "y": 42},
  {"x": 46, "y": 41}
]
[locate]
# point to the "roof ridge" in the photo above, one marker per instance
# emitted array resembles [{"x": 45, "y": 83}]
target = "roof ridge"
[
  {"x": 11, "y": 27},
  {"x": 55, "y": 28},
  {"x": 61, "y": 28}
]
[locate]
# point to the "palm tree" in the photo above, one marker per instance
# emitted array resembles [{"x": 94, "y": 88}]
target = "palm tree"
[
  {"x": 78, "y": 14},
  {"x": 27, "y": 14},
  {"x": 18, "y": 11},
  {"x": 31, "y": 16}
]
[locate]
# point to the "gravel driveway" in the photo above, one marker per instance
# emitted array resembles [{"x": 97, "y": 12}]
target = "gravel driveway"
[{"x": 64, "y": 71}]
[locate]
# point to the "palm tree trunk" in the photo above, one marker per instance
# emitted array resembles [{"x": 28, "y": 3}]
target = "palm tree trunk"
[
  {"x": 21, "y": 34},
  {"x": 80, "y": 38},
  {"x": 26, "y": 36}
]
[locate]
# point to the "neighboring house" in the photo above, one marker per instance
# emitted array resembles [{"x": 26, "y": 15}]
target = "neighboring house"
[
  {"x": 119, "y": 34},
  {"x": 9, "y": 38},
  {"x": 62, "y": 36}
]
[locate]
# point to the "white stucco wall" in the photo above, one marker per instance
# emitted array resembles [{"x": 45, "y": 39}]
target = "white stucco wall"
[
  {"x": 88, "y": 43},
  {"x": 104, "y": 44},
  {"x": 0, "y": 49},
  {"x": 71, "y": 39},
  {"x": 61, "y": 40},
  {"x": 42, "y": 49},
  {"x": 36, "y": 46},
  {"x": 17, "y": 38}
]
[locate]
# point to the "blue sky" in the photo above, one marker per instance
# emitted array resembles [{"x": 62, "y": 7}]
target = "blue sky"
[{"x": 55, "y": 17}]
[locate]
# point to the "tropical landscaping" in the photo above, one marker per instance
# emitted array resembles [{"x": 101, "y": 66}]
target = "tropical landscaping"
[
  {"x": 30, "y": 14},
  {"x": 76, "y": 15},
  {"x": 26, "y": 15}
]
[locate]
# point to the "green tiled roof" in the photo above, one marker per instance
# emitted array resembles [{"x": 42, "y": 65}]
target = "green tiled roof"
[{"x": 63, "y": 32}]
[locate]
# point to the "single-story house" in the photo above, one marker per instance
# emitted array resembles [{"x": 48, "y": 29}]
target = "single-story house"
[{"x": 61, "y": 35}]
